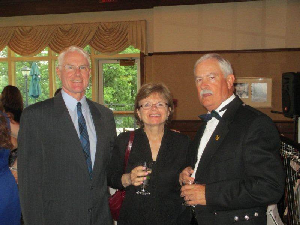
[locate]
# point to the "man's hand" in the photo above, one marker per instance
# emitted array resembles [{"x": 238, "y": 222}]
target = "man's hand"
[
  {"x": 185, "y": 176},
  {"x": 194, "y": 194}
]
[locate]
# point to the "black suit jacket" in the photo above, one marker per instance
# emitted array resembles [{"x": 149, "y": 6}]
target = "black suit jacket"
[
  {"x": 240, "y": 166},
  {"x": 55, "y": 187},
  {"x": 163, "y": 205}
]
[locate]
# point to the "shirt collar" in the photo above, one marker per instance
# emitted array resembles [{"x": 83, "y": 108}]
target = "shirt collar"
[
  {"x": 223, "y": 104},
  {"x": 71, "y": 102}
]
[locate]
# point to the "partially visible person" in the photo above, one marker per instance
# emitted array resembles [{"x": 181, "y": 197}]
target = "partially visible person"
[
  {"x": 12, "y": 103},
  {"x": 10, "y": 210},
  {"x": 153, "y": 143},
  {"x": 234, "y": 160},
  {"x": 65, "y": 144}
]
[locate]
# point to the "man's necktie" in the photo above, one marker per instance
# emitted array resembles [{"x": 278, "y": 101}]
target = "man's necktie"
[
  {"x": 209, "y": 116},
  {"x": 84, "y": 138}
]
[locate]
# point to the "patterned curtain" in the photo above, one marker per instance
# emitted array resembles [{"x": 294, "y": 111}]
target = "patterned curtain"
[{"x": 105, "y": 37}]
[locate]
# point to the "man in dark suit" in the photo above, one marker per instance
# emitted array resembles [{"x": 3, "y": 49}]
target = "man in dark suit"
[
  {"x": 64, "y": 147},
  {"x": 234, "y": 162}
]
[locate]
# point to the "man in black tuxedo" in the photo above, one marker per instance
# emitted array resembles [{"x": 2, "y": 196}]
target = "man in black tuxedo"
[
  {"x": 65, "y": 145},
  {"x": 234, "y": 159}
]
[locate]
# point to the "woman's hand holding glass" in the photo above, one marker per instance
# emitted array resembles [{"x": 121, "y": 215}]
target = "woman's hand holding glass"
[
  {"x": 135, "y": 177},
  {"x": 138, "y": 175},
  {"x": 147, "y": 167}
]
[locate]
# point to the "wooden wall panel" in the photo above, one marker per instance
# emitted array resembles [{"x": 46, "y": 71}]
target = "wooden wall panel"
[{"x": 176, "y": 71}]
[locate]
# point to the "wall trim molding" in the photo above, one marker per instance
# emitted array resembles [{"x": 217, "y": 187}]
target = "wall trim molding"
[{"x": 226, "y": 51}]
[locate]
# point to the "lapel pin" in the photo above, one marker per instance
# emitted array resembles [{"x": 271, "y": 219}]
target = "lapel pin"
[{"x": 217, "y": 137}]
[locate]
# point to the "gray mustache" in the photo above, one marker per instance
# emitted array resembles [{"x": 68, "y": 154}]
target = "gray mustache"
[{"x": 205, "y": 92}]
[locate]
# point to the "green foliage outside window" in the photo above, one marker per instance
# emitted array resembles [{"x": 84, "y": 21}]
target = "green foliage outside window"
[
  {"x": 3, "y": 75},
  {"x": 120, "y": 86},
  {"x": 120, "y": 89},
  {"x": 3, "y": 70},
  {"x": 130, "y": 50},
  {"x": 3, "y": 53}
]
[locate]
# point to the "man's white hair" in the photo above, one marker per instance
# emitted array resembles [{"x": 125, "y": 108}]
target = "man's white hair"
[
  {"x": 61, "y": 55},
  {"x": 224, "y": 64}
]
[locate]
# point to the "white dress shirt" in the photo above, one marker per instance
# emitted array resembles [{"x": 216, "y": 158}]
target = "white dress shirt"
[
  {"x": 71, "y": 104},
  {"x": 209, "y": 129}
]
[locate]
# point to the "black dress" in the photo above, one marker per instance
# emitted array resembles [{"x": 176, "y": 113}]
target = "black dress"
[{"x": 164, "y": 204}]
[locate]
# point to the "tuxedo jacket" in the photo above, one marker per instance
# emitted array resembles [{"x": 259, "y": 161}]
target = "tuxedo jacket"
[
  {"x": 163, "y": 205},
  {"x": 55, "y": 187},
  {"x": 240, "y": 166}
]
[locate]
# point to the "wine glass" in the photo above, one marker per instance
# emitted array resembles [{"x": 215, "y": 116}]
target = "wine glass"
[{"x": 146, "y": 182}]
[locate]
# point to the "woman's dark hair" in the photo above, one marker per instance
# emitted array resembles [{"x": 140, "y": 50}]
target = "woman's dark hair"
[
  {"x": 12, "y": 102},
  {"x": 148, "y": 89},
  {"x": 5, "y": 141}
]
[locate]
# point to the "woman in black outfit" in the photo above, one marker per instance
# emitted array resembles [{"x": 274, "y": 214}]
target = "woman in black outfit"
[{"x": 155, "y": 143}]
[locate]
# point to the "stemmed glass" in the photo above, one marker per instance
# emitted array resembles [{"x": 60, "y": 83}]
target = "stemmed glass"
[{"x": 146, "y": 182}]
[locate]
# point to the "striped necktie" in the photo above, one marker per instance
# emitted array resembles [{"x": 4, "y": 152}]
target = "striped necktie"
[{"x": 84, "y": 138}]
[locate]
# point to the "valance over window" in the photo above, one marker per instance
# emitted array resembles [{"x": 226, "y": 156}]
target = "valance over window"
[{"x": 105, "y": 37}]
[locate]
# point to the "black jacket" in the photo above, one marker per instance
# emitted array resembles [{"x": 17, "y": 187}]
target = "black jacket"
[
  {"x": 163, "y": 205},
  {"x": 240, "y": 166},
  {"x": 55, "y": 187}
]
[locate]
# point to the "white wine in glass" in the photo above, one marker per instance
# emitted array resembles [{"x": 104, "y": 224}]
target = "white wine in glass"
[{"x": 145, "y": 183}]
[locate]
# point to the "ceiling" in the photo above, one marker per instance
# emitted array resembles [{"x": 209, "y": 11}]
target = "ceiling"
[{"x": 10, "y": 8}]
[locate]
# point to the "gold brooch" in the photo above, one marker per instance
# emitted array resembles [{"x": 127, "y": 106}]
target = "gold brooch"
[{"x": 217, "y": 137}]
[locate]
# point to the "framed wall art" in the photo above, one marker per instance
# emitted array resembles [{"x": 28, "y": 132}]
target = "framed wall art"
[{"x": 254, "y": 91}]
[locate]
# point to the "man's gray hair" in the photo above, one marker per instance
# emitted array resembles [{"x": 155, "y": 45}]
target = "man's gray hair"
[
  {"x": 224, "y": 64},
  {"x": 62, "y": 54}
]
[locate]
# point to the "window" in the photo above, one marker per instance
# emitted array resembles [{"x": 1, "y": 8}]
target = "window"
[
  {"x": 3, "y": 69},
  {"x": 119, "y": 80},
  {"x": 23, "y": 82},
  {"x": 10, "y": 73},
  {"x": 114, "y": 79},
  {"x": 3, "y": 74}
]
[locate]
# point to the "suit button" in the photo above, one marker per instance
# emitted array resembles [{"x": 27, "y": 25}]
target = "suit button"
[
  {"x": 92, "y": 187},
  {"x": 247, "y": 217},
  {"x": 236, "y": 218},
  {"x": 256, "y": 214},
  {"x": 215, "y": 213}
]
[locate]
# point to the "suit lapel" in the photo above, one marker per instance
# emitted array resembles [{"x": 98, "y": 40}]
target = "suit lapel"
[
  {"x": 212, "y": 147},
  {"x": 217, "y": 137},
  {"x": 66, "y": 128},
  {"x": 99, "y": 127}
]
